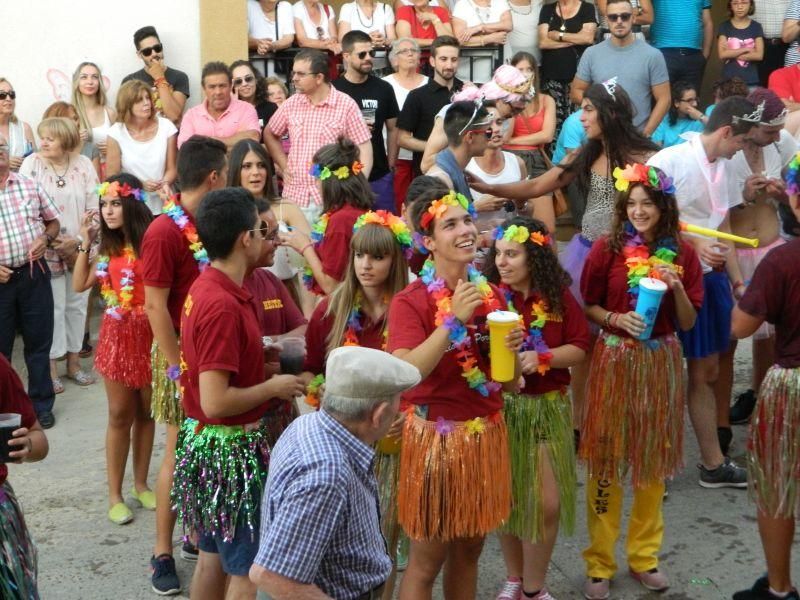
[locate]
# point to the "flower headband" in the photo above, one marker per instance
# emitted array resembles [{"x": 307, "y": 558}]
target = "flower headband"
[
  {"x": 393, "y": 223},
  {"x": 791, "y": 178},
  {"x": 638, "y": 173},
  {"x": 117, "y": 190},
  {"x": 520, "y": 234},
  {"x": 439, "y": 207},
  {"x": 343, "y": 172}
]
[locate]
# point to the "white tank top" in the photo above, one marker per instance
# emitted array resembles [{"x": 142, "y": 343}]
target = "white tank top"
[
  {"x": 509, "y": 174},
  {"x": 100, "y": 134},
  {"x": 281, "y": 267}
]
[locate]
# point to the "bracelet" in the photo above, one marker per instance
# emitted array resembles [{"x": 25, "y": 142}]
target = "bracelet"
[
  {"x": 607, "y": 319},
  {"x": 159, "y": 81},
  {"x": 82, "y": 249},
  {"x": 174, "y": 372},
  {"x": 306, "y": 247},
  {"x": 560, "y": 36}
]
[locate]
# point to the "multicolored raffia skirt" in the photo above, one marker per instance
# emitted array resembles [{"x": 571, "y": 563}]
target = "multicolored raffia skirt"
[
  {"x": 455, "y": 478},
  {"x": 165, "y": 404},
  {"x": 387, "y": 472},
  {"x": 633, "y": 419},
  {"x": 220, "y": 472},
  {"x": 539, "y": 428},
  {"x": 773, "y": 457},
  {"x": 123, "y": 349},
  {"x": 18, "y": 560}
]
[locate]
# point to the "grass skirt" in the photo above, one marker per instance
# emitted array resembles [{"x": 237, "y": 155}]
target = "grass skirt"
[
  {"x": 17, "y": 553},
  {"x": 532, "y": 421},
  {"x": 633, "y": 419},
  {"x": 387, "y": 471},
  {"x": 773, "y": 457},
  {"x": 165, "y": 404},
  {"x": 123, "y": 349},
  {"x": 220, "y": 472},
  {"x": 455, "y": 478}
]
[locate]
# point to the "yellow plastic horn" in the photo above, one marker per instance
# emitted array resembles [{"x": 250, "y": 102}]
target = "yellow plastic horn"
[{"x": 718, "y": 234}]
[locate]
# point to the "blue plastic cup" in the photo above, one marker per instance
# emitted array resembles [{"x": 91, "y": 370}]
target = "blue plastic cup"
[{"x": 651, "y": 291}]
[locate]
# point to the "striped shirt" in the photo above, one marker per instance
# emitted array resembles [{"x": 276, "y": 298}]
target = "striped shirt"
[
  {"x": 793, "y": 53},
  {"x": 770, "y": 14},
  {"x": 319, "y": 515},
  {"x": 24, "y": 207},
  {"x": 678, "y": 23}
]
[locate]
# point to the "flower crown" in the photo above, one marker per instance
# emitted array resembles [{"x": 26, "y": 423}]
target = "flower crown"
[
  {"x": 322, "y": 173},
  {"x": 115, "y": 189},
  {"x": 791, "y": 178},
  {"x": 439, "y": 207},
  {"x": 520, "y": 234},
  {"x": 393, "y": 223},
  {"x": 639, "y": 173}
]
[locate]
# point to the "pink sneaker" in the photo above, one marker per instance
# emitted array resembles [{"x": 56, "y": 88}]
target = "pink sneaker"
[
  {"x": 654, "y": 580},
  {"x": 596, "y": 588},
  {"x": 542, "y": 595},
  {"x": 511, "y": 590}
]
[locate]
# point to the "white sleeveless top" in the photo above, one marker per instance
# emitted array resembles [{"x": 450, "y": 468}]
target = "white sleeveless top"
[
  {"x": 509, "y": 174},
  {"x": 281, "y": 267},
  {"x": 100, "y": 134}
]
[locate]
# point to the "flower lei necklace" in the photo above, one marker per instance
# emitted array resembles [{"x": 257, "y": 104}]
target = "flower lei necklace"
[
  {"x": 317, "y": 233},
  {"x": 641, "y": 263},
  {"x": 175, "y": 212},
  {"x": 116, "y": 304},
  {"x": 535, "y": 340},
  {"x": 456, "y": 330}
]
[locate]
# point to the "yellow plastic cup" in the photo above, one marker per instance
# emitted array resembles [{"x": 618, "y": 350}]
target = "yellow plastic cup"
[{"x": 501, "y": 322}]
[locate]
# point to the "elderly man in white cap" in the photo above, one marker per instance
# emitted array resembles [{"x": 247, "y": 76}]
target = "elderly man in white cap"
[{"x": 320, "y": 529}]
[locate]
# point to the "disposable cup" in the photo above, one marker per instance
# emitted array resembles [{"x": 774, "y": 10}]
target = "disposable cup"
[
  {"x": 501, "y": 323},
  {"x": 651, "y": 291},
  {"x": 292, "y": 356},
  {"x": 9, "y": 422}
]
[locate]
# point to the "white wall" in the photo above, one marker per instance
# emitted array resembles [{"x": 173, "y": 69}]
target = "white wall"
[{"x": 43, "y": 41}]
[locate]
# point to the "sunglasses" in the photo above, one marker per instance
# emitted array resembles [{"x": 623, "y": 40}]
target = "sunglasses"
[
  {"x": 263, "y": 230},
  {"x": 300, "y": 74},
  {"x": 363, "y": 55},
  {"x": 12, "y": 95},
  {"x": 320, "y": 33},
  {"x": 148, "y": 51},
  {"x": 246, "y": 79},
  {"x": 487, "y": 132},
  {"x": 624, "y": 17}
]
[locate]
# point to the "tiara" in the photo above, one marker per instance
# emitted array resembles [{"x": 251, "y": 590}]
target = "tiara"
[
  {"x": 115, "y": 189},
  {"x": 639, "y": 173},
  {"x": 611, "y": 86},
  {"x": 393, "y": 223},
  {"x": 520, "y": 234},
  {"x": 753, "y": 117},
  {"x": 778, "y": 120},
  {"x": 322, "y": 173},
  {"x": 439, "y": 207}
]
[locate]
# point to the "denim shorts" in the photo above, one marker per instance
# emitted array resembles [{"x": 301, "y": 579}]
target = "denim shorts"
[{"x": 237, "y": 556}]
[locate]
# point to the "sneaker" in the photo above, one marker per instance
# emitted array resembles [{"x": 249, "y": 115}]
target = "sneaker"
[
  {"x": 654, "y": 580},
  {"x": 165, "y": 578},
  {"x": 596, "y": 588},
  {"x": 511, "y": 590},
  {"x": 725, "y": 475},
  {"x": 189, "y": 551},
  {"x": 46, "y": 419},
  {"x": 761, "y": 591},
  {"x": 725, "y": 437},
  {"x": 743, "y": 407},
  {"x": 542, "y": 595}
]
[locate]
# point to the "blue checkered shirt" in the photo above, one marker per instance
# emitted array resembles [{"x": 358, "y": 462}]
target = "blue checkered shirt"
[{"x": 320, "y": 515}]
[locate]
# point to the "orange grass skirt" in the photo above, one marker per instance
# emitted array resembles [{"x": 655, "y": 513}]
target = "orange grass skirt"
[{"x": 453, "y": 484}]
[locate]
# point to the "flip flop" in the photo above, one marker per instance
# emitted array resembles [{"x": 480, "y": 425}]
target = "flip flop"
[
  {"x": 81, "y": 377},
  {"x": 58, "y": 386}
]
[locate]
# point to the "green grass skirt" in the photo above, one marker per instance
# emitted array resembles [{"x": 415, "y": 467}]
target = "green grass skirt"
[{"x": 165, "y": 404}]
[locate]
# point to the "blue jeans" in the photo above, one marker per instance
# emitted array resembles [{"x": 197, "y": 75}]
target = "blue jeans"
[{"x": 26, "y": 304}]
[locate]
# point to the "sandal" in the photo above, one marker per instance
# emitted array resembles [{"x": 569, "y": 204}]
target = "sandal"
[
  {"x": 58, "y": 386},
  {"x": 81, "y": 377}
]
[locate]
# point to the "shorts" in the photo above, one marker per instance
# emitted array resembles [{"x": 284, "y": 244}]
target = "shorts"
[
  {"x": 748, "y": 261},
  {"x": 237, "y": 556}
]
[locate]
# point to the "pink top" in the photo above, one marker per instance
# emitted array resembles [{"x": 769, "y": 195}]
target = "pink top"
[{"x": 239, "y": 116}]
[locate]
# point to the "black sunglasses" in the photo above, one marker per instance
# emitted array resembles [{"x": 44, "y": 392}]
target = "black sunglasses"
[
  {"x": 246, "y": 79},
  {"x": 362, "y": 55},
  {"x": 624, "y": 17},
  {"x": 12, "y": 95},
  {"x": 148, "y": 51}
]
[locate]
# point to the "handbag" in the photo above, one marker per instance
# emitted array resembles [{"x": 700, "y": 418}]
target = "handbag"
[{"x": 560, "y": 204}]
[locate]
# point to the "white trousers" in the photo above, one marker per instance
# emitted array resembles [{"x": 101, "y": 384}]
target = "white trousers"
[{"x": 69, "y": 312}]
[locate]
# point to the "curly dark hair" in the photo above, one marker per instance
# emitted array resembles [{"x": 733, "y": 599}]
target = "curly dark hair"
[
  {"x": 548, "y": 277},
  {"x": 261, "y": 82},
  {"x": 668, "y": 226}
]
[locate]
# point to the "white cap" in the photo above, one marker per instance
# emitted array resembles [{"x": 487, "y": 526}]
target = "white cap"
[{"x": 364, "y": 374}]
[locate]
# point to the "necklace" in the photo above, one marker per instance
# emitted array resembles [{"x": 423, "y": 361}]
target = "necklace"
[
  {"x": 641, "y": 263},
  {"x": 456, "y": 330},
  {"x": 354, "y": 326},
  {"x": 317, "y": 233},
  {"x": 60, "y": 181},
  {"x": 358, "y": 14},
  {"x": 175, "y": 212},
  {"x": 482, "y": 12},
  {"x": 535, "y": 340},
  {"x": 116, "y": 304}
]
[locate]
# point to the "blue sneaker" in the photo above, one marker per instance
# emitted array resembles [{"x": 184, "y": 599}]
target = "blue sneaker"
[{"x": 165, "y": 578}]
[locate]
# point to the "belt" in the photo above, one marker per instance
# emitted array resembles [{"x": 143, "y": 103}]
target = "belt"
[
  {"x": 682, "y": 51},
  {"x": 373, "y": 594},
  {"x": 774, "y": 41}
]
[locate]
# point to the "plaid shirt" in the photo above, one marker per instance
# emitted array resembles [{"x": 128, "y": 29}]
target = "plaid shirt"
[
  {"x": 310, "y": 127},
  {"x": 770, "y": 15},
  {"x": 24, "y": 207},
  {"x": 793, "y": 53},
  {"x": 319, "y": 514}
]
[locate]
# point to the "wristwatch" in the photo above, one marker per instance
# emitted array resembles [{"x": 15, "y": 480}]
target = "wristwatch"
[
  {"x": 80, "y": 244},
  {"x": 560, "y": 36}
]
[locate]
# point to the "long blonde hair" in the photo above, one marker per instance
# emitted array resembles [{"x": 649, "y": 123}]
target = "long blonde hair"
[
  {"x": 77, "y": 97},
  {"x": 13, "y": 117},
  {"x": 375, "y": 240}
]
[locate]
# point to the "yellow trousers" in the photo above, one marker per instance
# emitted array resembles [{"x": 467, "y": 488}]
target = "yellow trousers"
[{"x": 645, "y": 529}]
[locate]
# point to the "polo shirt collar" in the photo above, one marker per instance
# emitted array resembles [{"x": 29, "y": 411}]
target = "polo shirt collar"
[
  {"x": 360, "y": 453},
  {"x": 225, "y": 112},
  {"x": 435, "y": 86},
  {"x": 226, "y": 283},
  {"x": 329, "y": 99}
]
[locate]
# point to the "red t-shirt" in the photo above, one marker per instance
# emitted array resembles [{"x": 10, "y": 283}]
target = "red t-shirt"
[
  {"x": 319, "y": 327},
  {"x": 277, "y": 312},
  {"x": 605, "y": 282},
  {"x": 570, "y": 328},
  {"x": 115, "y": 266},
  {"x": 13, "y": 399},
  {"x": 219, "y": 331},
  {"x": 445, "y": 391},
  {"x": 774, "y": 295},
  {"x": 785, "y": 83},
  {"x": 334, "y": 249},
  {"x": 406, "y": 13}
]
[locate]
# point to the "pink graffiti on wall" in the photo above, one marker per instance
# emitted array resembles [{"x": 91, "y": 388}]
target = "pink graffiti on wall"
[{"x": 61, "y": 84}]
